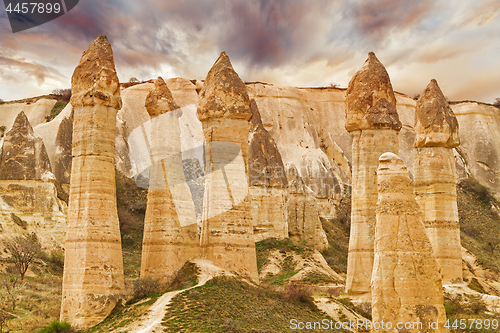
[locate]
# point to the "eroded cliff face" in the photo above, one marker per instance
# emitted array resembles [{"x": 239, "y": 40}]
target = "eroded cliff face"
[{"x": 28, "y": 192}]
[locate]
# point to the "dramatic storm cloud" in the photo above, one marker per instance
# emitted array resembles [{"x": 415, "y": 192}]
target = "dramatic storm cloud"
[{"x": 287, "y": 42}]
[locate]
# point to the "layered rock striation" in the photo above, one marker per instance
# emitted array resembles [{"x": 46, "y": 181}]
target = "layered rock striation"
[
  {"x": 170, "y": 229},
  {"x": 436, "y": 129},
  {"x": 227, "y": 232},
  {"x": 373, "y": 123},
  {"x": 28, "y": 190},
  {"x": 406, "y": 285},
  {"x": 93, "y": 265}
]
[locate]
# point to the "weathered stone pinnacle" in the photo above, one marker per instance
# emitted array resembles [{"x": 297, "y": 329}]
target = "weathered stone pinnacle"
[
  {"x": 23, "y": 155},
  {"x": 406, "y": 284},
  {"x": 224, "y": 94},
  {"x": 160, "y": 99},
  {"x": 368, "y": 86},
  {"x": 94, "y": 81},
  {"x": 435, "y": 122}
]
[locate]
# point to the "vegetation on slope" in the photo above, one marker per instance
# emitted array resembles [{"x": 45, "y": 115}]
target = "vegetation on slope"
[
  {"x": 226, "y": 304},
  {"x": 479, "y": 223},
  {"x": 337, "y": 232}
]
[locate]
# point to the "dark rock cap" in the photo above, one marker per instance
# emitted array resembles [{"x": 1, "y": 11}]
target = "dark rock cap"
[
  {"x": 223, "y": 95},
  {"x": 94, "y": 81},
  {"x": 435, "y": 122},
  {"x": 160, "y": 100},
  {"x": 369, "y": 85},
  {"x": 23, "y": 155}
]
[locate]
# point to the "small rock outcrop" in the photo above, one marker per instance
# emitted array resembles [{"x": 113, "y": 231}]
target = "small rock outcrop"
[
  {"x": 93, "y": 266},
  {"x": 268, "y": 182},
  {"x": 23, "y": 155},
  {"x": 406, "y": 285},
  {"x": 227, "y": 230},
  {"x": 373, "y": 123},
  {"x": 436, "y": 129},
  {"x": 170, "y": 229}
]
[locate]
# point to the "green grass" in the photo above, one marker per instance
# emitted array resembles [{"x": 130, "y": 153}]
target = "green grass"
[
  {"x": 467, "y": 307},
  {"x": 287, "y": 271},
  {"x": 337, "y": 232},
  {"x": 58, "y": 107},
  {"x": 264, "y": 248},
  {"x": 480, "y": 227},
  {"x": 226, "y": 304},
  {"x": 317, "y": 278}
]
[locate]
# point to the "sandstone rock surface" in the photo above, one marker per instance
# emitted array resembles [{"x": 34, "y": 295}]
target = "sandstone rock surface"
[
  {"x": 373, "y": 123},
  {"x": 302, "y": 212},
  {"x": 28, "y": 195},
  {"x": 63, "y": 155},
  {"x": 406, "y": 285},
  {"x": 170, "y": 228},
  {"x": 23, "y": 155},
  {"x": 93, "y": 271},
  {"x": 227, "y": 232},
  {"x": 35, "y": 111},
  {"x": 436, "y": 130},
  {"x": 267, "y": 178}
]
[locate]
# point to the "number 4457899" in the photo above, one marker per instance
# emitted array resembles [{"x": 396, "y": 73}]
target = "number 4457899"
[
  {"x": 34, "y": 7},
  {"x": 472, "y": 324}
]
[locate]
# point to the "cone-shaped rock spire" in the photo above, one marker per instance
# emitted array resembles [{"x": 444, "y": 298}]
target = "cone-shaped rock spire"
[
  {"x": 365, "y": 105},
  {"x": 227, "y": 232},
  {"x": 373, "y": 123},
  {"x": 160, "y": 100},
  {"x": 94, "y": 81},
  {"x": 223, "y": 93},
  {"x": 435, "y": 122},
  {"x": 23, "y": 155},
  {"x": 436, "y": 130},
  {"x": 170, "y": 229},
  {"x": 93, "y": 266},
  {"x": 406, "y": 284}
]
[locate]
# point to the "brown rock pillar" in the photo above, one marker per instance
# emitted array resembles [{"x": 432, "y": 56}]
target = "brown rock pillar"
[
  {"x": 373, "y": 123},
  {"x": 93, "y": 265},
  {"x": 227, "y": 232},
  {"x": 406, "y": 284},
  {"x": 170, "y": 229},
  {"x": 436, "y": 130}
]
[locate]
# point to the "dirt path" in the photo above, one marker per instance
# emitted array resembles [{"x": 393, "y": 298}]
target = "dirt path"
[{"x": 151, "y": 321}]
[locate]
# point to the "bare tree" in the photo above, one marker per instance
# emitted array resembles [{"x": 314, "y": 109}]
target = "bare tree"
[
  {"x": 497, "y": 102},
  {"x": 23, "y": 251}
]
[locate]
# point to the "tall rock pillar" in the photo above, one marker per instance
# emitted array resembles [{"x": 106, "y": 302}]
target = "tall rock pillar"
[
  {"x": 406, "y": 284},
  {"x": 224, "y": 111},
  {"x": 436, "y": 130},
  {"x": 373, "y": 123},
  {"x": 93, "y": 263},
  {"x": 170, "y": 229}
]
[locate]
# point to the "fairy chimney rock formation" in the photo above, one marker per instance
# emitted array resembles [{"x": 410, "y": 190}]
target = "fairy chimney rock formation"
[
  {"x": 170, "y": 229},
  {"x": 268, "y": 182},
  {"x": 23, "y": 155},
  {"x": 406, "y": 284},
  {"x": 93, "y": 266},
  {"x": 224, "y": 110},
  {"x": 436, "y": 130},
  {"x": 373, "y": 123}
]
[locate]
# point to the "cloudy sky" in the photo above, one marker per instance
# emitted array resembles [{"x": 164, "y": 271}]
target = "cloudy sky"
[{"x": 283, "y": 42}]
